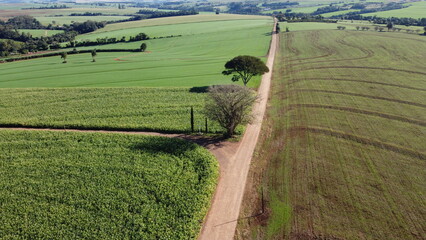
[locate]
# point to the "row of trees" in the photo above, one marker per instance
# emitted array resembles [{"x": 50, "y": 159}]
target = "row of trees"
[
  {"x": 160, "y": 14},
  {"x": 381, "y": 20},
  {"x": 93, "y": 53}
]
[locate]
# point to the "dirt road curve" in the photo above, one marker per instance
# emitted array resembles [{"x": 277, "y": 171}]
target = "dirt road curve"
[
  {"x": 234, "y": 160},
  {"x": 221, "y": 220}
]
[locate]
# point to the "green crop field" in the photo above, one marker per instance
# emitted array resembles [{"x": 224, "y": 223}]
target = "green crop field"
[
  {"x": 344, "y": 142},
  {"x": 149, "y": 109},
  {"x": 350, "y": 25},
  {"x": 70, "y": 19},
  {"x": 40, "y": 32},
  {"x": 61, "y": 185},
  {"x": 330, "y": 14},
  {"x": 415, "y": 10},
  {"x": 180, "y": 20},
  {"x": 194, "y": 59}
]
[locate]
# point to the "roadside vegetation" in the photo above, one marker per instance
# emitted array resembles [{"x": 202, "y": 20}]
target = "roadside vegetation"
[
  {"x": 102, "y": 186},
  {"x": 342, "y": 154}
]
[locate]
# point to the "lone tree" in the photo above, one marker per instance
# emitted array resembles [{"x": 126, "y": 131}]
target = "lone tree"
[
  {"x": 143, "y": 47},
  {"x": 94, "y": 55},
  {"x": 64, "y": 56},
  {"x": 277, "y": 30},
  {"x": 389, "y": 26},
  {"x": 230, "y": 105},
  {"x": 244, "y": 68}
]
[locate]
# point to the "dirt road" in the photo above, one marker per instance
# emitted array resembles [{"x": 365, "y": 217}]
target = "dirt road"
[{"x": 221, "y": 220}]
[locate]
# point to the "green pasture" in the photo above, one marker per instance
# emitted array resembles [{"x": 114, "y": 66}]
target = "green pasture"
[
  {"x": 350, "y": 26},
  {"x": 330, "y": 14},
  {"x": 63, "y": 185},
  {"x": 40, "y": 32},
  {"x": 296, "y": 9},
  {"x": 194, "y": 59},
  {"x": 343, "y": 144},
  {"x": 148, "y": 109},
  {"x": 70, "y": 19},
  {"x": 415, "y": 10},
  {"x": 180, "y": 20}
]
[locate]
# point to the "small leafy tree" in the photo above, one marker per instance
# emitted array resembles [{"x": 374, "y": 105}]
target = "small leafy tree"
[
  {"x": 277, "y": 30},
  {"x": 357, "y": 28},
  {"x": 143, "y": 47},
  {"x": 94, "y": 55},
  {"x": 244, "y": 68},
  {"x": 287, "y": 29},
  {"x": 64, "y": 56},
  {"x": 389, "y": 26},
  {"x": 230, "y": 105}
]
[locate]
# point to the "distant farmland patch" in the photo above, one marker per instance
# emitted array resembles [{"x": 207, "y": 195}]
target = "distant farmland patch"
[
  {"x": 40, "y": 32},
  {"x": 102, "y": 186}
]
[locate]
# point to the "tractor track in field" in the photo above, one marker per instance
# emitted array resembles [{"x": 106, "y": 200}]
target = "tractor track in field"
[
  {"x": 120, "y": 59},
  {"x": 314, "y": 37},
  {"x": 360, "y": 111},
  {"x": 288, "y": 43},
  {"x": 296, "y": 80},
  {"x": 367, "y": 53},
  {"x": 358, "y": 67},
  {"x": 362, "y": 95},
  {"x": 362, "y": 140}
]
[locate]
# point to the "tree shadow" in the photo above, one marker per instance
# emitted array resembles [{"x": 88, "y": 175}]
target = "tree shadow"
[
  {"x": 173, "y": 146},
  {"x": 202, "y": 89},
  {"x": 205, "y": 141},
  {"x": 268, "y": 34}
]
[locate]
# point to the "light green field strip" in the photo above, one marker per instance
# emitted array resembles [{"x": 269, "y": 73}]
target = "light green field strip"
[
  {"x": 415, "y": 10},
  {"x": 338, "y": 13},
  {"x": 62, "y": 185},
  {"x": 296, "y": 9},
  {"x": 187, "y": 61},
  {"x": 350, "y": 25},
  {"x": 70, "y": 19},
  {"x": 178, "y": 20},
  {"x": 40, "y": 32}
]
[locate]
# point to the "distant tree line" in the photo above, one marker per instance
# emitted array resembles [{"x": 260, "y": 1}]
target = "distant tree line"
[
  {"x": 84, "y": 27},
  {"x": 381, "y": 20},
  {"x": 48, "y": 7},
  {"x": 362, "y": 9},
  {"x": 243, "y": 8},
  {"x": 86, "y": 14},
  {"x": 106, "y": 40},
  {"x": 327, "y": 9},
  {"x": 159, "y": 14},
  {"x": 279, "y": 5},
  {"x": 302, "y": 17},
  {"x": 23, "y": 22}
]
